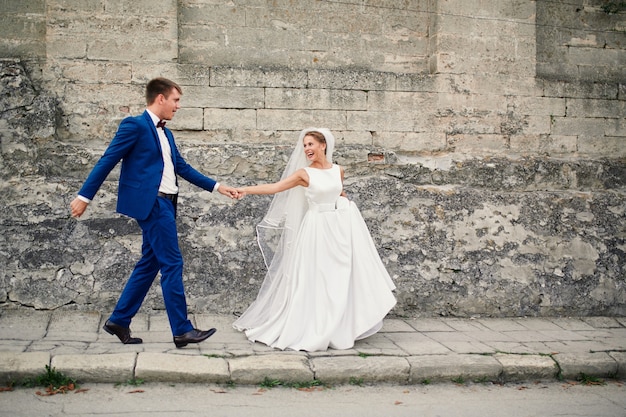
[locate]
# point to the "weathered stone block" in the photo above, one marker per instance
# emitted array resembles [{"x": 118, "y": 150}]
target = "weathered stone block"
[
  {"x": 229, "y": 119},
  {"x": 539, "y": 106},
  {"x": 124, "y": 49},
  {"x": 315, "y": 99},
  {"x": 67, "y": 46},
  {"x": 546, "y": 144},
  {"x": 565, "y": 126},
  {"x": 557, "y": 88},
  {"x": 388, "y": 101},
  {"x": 593, "y": 55},
  {"x": 410, "y": 141},
  {"x": 351, "y": 137},
  {"x": 351, "y": 80},
  {"x": 187, "y": 118},
  {"x": 506, "y": 84},
  {"x": 24, "y": 29},
  {"x": 223, "y": 97},
  {"x": 478, "y": 102},
  {"x": 601, "y": 145},
  {"x": 75, "y": 5},
  {"x": 96, "y": 72},
  {"x": 537, "y": 125},
  {"x": 27, "y": 6},
  {"x": 596, "y": 108},
  {"x": 405, "y": 121},
  {"x": 478, "y": 143},
  {"x": 270, "y": 119},
  {"x": 140, "y": 8},
  {"x": 203, "y": 14},
  {"x": 258, "y": 77},
  {"x": 289, "y": 19},
  {"x": 615, "y": 127},
  {"x": 419, "y": 82}
]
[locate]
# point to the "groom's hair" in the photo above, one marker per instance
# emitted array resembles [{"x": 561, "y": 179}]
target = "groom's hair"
[
  {"x": 319, "y": 136},
  {"x": 160, "y": 86}
]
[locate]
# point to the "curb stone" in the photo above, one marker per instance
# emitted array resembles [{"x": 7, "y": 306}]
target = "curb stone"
[
  {"x": 599, "y": 364},
  {"x": 527, "y": 367},
  {"x": 107, "y": 367},
  {"x": 163, "y": 367},
  {"x": 440, "y": 368},
  {"x": 17, "y": 366},
  {"x": 341, "y": 370},
  {"x": 620, "y": 358},
  {"x": 285, "y": 368}
]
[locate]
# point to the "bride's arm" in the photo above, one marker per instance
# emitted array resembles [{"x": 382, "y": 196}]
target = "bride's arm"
[
  {"x": 300, "y": 177},
  {"x": 343, "y": 192}
]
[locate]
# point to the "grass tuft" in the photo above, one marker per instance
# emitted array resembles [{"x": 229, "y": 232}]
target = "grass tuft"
[
  {"x": 301, "y": 385},
  {"x": 589, "y": 380},
  {"x": 54, "y": 381},
  {"x": 135, "y": 382}
]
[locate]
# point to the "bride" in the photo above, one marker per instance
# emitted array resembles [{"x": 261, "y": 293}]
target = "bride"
[{"x": 326, "y": 285}]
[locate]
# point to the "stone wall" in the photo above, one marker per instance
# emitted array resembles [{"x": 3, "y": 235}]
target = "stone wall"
[
  {"x": 483, "y": 141},
  {"x": 581, "y": 40}
]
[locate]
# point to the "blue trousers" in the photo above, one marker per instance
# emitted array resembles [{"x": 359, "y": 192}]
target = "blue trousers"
[{"x": 159, "y": 252}]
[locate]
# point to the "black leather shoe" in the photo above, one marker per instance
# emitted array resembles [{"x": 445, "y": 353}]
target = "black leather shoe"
[
  {"x": 123, "y": 333},
  {"x": 193, "y": 336}
]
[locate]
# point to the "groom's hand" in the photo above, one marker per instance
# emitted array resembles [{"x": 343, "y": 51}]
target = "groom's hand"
[{"x": 78, "y": 207}]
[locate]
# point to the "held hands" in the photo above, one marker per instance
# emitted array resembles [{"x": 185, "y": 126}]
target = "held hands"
[{"x": 230, "y": 192}]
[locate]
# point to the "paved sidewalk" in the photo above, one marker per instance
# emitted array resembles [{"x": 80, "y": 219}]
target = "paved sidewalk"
[{"x": 405, "y": 351}]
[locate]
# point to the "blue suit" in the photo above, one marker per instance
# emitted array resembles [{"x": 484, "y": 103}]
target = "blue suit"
[{"x": 137, "y": 145}]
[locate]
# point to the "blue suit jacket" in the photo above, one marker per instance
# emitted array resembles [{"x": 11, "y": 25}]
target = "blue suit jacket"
[{"x": 136, "y": 144}]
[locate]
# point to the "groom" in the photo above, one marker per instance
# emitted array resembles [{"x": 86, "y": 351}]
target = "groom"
[{"x": 148, "y": 192}]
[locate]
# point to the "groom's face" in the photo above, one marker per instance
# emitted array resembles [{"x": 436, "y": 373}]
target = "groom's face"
[{"x": 169, "y": 105}]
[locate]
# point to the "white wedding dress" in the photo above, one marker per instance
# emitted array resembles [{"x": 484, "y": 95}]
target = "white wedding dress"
[{"x": 333, "y": 288}]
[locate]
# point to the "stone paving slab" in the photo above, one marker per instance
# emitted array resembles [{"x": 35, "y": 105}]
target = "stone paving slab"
[
  {"x": 406, "y": 350},
  {"x": 18, "y": 325}
]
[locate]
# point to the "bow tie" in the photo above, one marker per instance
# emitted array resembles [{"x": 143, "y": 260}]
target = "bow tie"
[{"x": 161, "y": 123}]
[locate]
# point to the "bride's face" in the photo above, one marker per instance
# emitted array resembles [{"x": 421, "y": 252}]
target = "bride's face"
[{"x": 314, "y": 150}]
